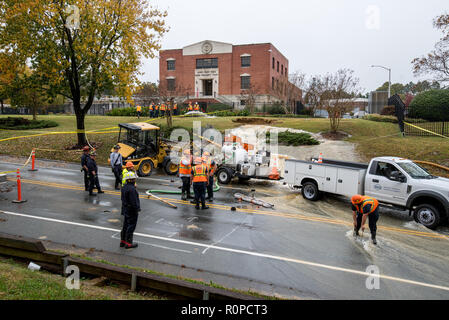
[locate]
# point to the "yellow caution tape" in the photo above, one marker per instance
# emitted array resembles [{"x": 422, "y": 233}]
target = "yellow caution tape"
[
  {"x": 26, "y": 163},
  {"x": 419, "y": 128}
]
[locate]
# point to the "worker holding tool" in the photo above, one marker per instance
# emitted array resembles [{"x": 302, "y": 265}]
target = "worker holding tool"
[
  {"x": 116, "y": 160},
  {"x": 84, "y": 168},
  {"x": 131, "y": 205},
  {"x": 185, "y": 171},
  {"x": 93, "y": 174},
  {"x": 211, "y": 166},
  {"x": 365, "y": 207},
  {"x": 200, "y": 182}
]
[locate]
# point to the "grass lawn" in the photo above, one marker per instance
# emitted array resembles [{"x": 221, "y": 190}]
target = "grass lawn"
[
  {"x": 19, "y": 283},
  {"x": 372, "y": 138}
]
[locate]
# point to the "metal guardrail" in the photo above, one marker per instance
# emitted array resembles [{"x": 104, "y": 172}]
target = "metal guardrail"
[{"x": 34, "y": 250}]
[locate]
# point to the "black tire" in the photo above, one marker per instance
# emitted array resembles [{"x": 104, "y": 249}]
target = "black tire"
[
  {"x": 146, "y": 168},
  {"x": 310, "y": 191},
  {"x": 427, "y": 215},
  {"x": 224, "y": 176},
  {"x": 171, "y": 168}
]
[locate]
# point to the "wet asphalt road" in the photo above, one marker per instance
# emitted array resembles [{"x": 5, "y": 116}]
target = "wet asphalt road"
[{"x": 312, "y": 256}]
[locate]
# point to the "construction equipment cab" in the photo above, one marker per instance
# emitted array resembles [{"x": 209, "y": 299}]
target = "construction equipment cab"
[{"x": 141, "y": 144}]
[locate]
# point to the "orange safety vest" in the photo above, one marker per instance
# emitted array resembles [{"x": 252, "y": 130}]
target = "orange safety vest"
[
  {"x": 190, "y": 107},
  {"x": 200, "y": 173},
  {"x": 197, "y": 107},
  {"x": 175, "y": 107},
  {"x": 151, "y": 108},
  {"x": 139, "y": 108},
  {"x": 183, "y": 169},
  {"x": 367, "y": 201},
  {"x": 157, "y": 107}
]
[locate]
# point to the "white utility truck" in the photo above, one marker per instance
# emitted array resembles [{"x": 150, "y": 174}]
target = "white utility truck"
[{"x": 396, "y": 182}]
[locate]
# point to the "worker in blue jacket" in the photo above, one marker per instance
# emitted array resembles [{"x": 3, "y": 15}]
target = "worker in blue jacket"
[
  {"x": 131, "y": 208},
  {"x": 93, "y": 174}
]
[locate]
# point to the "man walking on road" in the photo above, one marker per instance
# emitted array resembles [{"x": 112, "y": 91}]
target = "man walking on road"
[
  {"x": 116, "y": 160},
  {"x": 84, "y": 168},
  {"x": 131, "y": 205},
  {"x": 93, "y": 174},
  {"x": 200, "y": 182},
  {"x": 365, "y": 207}
]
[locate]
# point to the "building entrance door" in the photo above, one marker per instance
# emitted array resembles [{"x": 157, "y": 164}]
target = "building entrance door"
[{"x": 208, "y": 88}]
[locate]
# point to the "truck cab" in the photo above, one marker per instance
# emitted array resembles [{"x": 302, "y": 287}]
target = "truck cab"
[{"x": 405, "y": 184}]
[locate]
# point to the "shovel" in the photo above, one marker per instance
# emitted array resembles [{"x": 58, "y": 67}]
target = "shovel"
[{"x": 157, "y": 198}]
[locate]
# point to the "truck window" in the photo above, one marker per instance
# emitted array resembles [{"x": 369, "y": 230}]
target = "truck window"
[
  {"x": 416, "y": 171},
  {"x": 385, "y": 169}
]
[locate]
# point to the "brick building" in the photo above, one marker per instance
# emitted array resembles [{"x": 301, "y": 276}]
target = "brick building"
[{"x": 238, "y": 75}]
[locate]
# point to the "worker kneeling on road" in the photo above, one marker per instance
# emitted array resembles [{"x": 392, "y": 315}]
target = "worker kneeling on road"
[
  {"x": 185, "y": 172},
  {"x": 200, "y": 182},
  {"x": 131, "y": 205},
  {"x": 93, "y": 174},
  {"x": 211, "y": 166},
  {"x": 365, "y": 207}
]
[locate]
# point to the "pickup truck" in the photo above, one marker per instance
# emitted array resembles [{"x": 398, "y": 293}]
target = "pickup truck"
[{"x": 393, "y": 181}]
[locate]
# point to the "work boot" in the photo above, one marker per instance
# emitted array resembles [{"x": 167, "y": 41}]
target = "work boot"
[
  {"x": 193, "y": 202},
  {"x": 131, "y": 245},
  {"x": 122, "y": 243},
  {"x": 356, "y": 233},
  {"x": 197, "y": 207},
  {"x": 374, "y": 241},
  {"x": 205, "y": 208},
  {"x": 92, "y": 194},
  {"x": 211, "y": 199},
  {"x": 99, "y": 191}
]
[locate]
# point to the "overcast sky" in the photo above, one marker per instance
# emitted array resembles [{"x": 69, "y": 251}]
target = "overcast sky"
[{"x": 316, "y": 36}]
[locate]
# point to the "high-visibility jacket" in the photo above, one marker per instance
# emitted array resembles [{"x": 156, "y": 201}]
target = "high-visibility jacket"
[
  {"x": 175, "y": 107},
  {"x": 163, "y": 107},
  {"x": 139, "y": 108},
  {"x": 190, "y": 108},
  {"x": 197, "y": 107},
  {"x": 185, "y": 169},
  {"x": 210, "y": 165},
  {"x": 124, "y": 172},
  {"x": 157, "y": 107},
  {"x": 367, "y": 206},
  {"x": 151, "y": 107},
  {"x": 200, "y": 173}
]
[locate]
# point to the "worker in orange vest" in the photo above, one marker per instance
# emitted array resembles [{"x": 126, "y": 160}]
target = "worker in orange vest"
[
  {"x": 200, "y": 182},
  {"x": 156, "y": 111},
  {"x": 185, "y": 172},
  {"x": 163, "y": 109},
  {"x": 197, "y": 107},
  {"x": 139, "y": 111},
  {"x": 363, "y": 208},
  {"x": 175, "y": 109},
  {"x": 190, "y": 108},
  {"x": 211, "y": 167},
  {"x": 151, "y": 109}
]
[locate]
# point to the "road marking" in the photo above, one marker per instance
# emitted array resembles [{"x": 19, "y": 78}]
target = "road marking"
[
  {"x": 249, "y": 211},
  {"x": 227, "y": 235},
  {"x": 114, "y": 236},
  {"x": 243, "y": 252}
]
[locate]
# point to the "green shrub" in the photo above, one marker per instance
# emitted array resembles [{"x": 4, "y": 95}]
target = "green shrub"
[
  {"x": 294, "y": 139},
  {"x": 432, "y": 105},
  {"x": 391, "y": 119},
  {"x": 232, "y": 113},
  {"x": 218, "y": 107},
  {"x": 128, "y": 112},
  {"x": 12, "y": 123},
  {"x": 388, "y": 111},
  {"x": 274, "y": 109}
]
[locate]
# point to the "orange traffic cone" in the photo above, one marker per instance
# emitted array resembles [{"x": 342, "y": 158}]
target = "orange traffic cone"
[
  {"x": 274, "y": 175},
  {"x": 320, "y": 158}
]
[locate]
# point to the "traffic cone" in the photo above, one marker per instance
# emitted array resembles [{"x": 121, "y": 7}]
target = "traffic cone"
[
  {"x": 19, "y": 189},
  {"x": 320, "y": 158},
  {"x": 33, "y": 161},
  {"x": 274, "y": 175}
]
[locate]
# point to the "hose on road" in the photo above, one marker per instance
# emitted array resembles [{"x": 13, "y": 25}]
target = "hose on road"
[{"x": 216, "y": 189}]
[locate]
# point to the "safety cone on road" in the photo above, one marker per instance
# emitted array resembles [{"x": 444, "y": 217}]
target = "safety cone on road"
[
  {"x": 274, "y": 175},
  {"x": 320, "y": 158},
  {"x": 33, "y": 161},
  {"x": 19, "y": 189}
]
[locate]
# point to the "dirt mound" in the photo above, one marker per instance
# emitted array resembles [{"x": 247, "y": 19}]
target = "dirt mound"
[
  {"x": 335, "y": 135},
  {"x": 254, "y": 121}
]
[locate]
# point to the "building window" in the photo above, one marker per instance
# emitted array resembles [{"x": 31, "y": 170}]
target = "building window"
[
  {"x": 282, "y": 69},
  {"x": 278, "y": 66},
  {"x": 273, "y": 63},
  {"x": 171, "y": 65},
  {"x": 246, "y": 82},
  {"x": 286, "y": 73},
  {"x": 171, "y": 84},
  {"x": 207, "y": 63},
  {"x": 272, "y": 83},
  {"x": 246, "y": 61}
]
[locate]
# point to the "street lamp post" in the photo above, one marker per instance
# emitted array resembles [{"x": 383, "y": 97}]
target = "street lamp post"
[{"x": 389, "y": 78}]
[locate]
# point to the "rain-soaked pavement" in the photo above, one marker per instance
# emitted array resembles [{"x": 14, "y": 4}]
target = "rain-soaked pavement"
[{"x": 298, "y": 250}]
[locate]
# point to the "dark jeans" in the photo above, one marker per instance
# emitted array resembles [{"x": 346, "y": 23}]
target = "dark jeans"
[
  {"x": 129, "y": 225},
  {"x": 139, "y": 114},
  {"x": 86, "y": 180},
  {"x": 151, "y": 114},
  {"x": 94, "y": 183},
  {"x": 372, "y": 222},
  {"x": 200, "y": 193},
  {"x": 210, "y": 187},
  {"x": 186, "y": 185},
  {"x": 118, "y": 175}
]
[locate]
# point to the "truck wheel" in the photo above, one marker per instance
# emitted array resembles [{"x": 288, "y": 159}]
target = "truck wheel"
[
  {"x": 427, "y": 215},
  {"x": 145, "y": 168},
  {"x": 310, "y": 191},
  {"x": 171, "y": 168},
  {"x": 224, "y": 176}
]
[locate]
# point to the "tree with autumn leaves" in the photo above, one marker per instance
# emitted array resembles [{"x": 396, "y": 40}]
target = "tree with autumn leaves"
[{"x": 82, "y": 48}]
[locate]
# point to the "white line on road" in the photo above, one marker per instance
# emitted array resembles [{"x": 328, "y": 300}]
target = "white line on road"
[
  {"x": 227, "y": 235},
  {"x": 114, "y": 236},
  {"x": 248, "y": 253}
]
